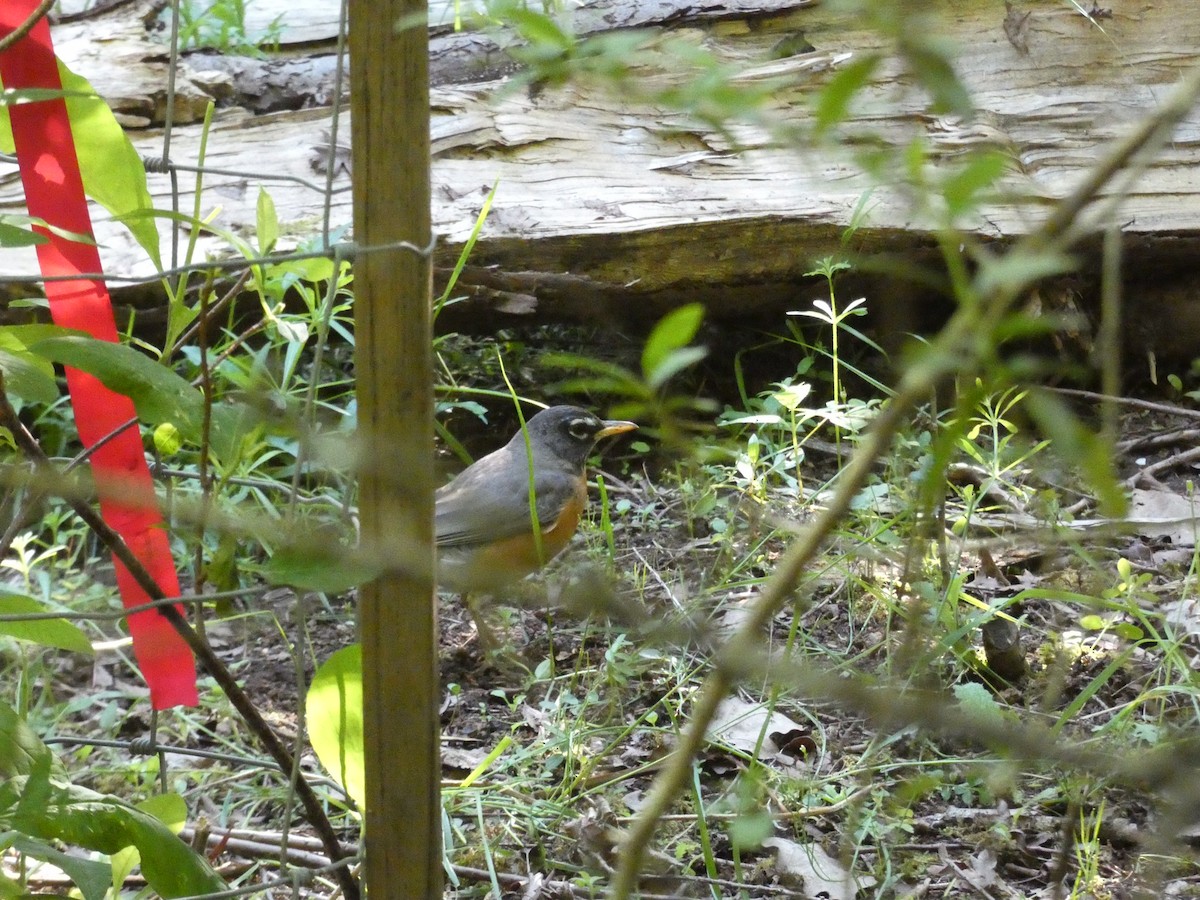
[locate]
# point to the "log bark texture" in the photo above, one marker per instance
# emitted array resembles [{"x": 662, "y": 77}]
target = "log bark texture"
[{"x": 611, "y": 209}]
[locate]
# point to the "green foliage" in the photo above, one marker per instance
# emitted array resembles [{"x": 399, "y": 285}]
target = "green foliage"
[
  {"x": 159, "y": 395},
  {"x": 1080, "y": 446},
  {"x": 979, "y": 703},
  {"x": 554, "y": 55},
  {"x": 267, "y": 219},
  {"x": 440, "y": 303},
  {"x": 25, "y": 375},
  {"x": 334, "y": 711},
  {"x": 996, "y": 442},
  {"x": 221, "y": 25},
  {"x": 50, "y": 811},
  {"x": 835, "y": 98},
  {"x": 113, "y": 174},
  {"x": 21, "y": 751},
  {"x": 779, "y": 421},
  {"x": 666, "y": 352},
  {"x": 38, "y": 807},
  {"x": 692, "y": 79},
  {"x": 58, "y": 633},
  {"x": 962, "y": 189},
  {"x": 16, "y": 230},
  {"x": 644, "y": 396},
  {"x": 90, "y": 877},
  {"x": 328, "y": 567}
]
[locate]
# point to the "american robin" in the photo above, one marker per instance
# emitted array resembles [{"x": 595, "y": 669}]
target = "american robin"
[{"x": 484, "y": 520}]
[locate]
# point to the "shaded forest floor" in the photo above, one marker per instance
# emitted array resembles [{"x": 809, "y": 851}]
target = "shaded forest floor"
[{"x": 795, "y": 795}]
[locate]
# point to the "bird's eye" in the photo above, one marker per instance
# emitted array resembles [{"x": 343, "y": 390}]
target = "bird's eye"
[{"x": 580, "y": 428}]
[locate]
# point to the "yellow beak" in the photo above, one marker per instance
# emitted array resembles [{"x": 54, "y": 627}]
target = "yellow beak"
[{"x": 615, "y": 426}]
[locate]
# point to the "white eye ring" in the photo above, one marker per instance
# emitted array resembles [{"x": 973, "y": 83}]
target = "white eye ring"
[{"x": 580, "y": 428}]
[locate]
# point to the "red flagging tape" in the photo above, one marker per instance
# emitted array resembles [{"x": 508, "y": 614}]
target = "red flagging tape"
[{"x": 54, "y": 192}]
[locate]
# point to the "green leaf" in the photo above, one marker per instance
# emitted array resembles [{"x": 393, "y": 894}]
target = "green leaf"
[
  {"x": 20, "y": 338},
  {"x": 21, "y": 751},
  {"x": 539, "y": 29},
  {"x": 113, "y": 174},
  {"x": 123, "y": 862},
  {"x": 9, "y": 889},
  {"x": 314, "y": 270},
  {"x": 674, "y": 363},
  {"x": 22, "y": 220},
  {"x": 751, "y": 827},
  {"x": 334, "y": 712},
  {"x": 35, "y": 790},
  {"x": 1020, "y": 325},
  {"x": 980, "y": 173},
  {"x": 674, "y": 331},
  {"x": 92, "y": 877},
  {"x": 977, "y": 702},
  {"x": 28, "y": 377},
  {"x": 268, "y": 222},
  {"x": 58, "y": 633},
  {"x": 15, "y": 236},
  {"x": 833, "y": 103},
  {"x": 14, "y": 96},
  {"x": 467, "y": 249},
  {"x": 1128, "y": 631},
  {"x": 929, "y": 61},
  {"x": 170, "y": 809},
  {"x": 1072, "y": 442},
  {"x": 84, "y": 818},
  {"x": 1013, "y": 272},
  {"x": 159, "y": 394},
  {"x": 16, "y": 340},
  {"x": 328, "y": 568}
]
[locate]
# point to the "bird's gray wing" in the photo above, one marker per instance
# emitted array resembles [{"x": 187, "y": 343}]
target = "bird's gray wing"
[{"x": 491, "y": 502}]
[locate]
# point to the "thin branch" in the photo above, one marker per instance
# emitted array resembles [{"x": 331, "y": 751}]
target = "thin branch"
[
  {"x": 206, "y": 318},
  {"x": 219, "y": 671},
  {"x": 949, "y": 350},
  {"x": 27, "y": 26},
  {"x": 117, "y": 615},
  {"x": 731, "y": 660},
  {"x": 1169, "y": 409},
  {"x": 87, "y": 452}
]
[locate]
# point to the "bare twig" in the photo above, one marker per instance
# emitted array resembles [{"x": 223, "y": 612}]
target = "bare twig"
[
  {"x": 1148, "y": 476},
  {"x": 1169, "y": 409},
  {"x": 27, "y": 26},
  {"x": 214, "y": 597},
  {"x": 1175, "y": 438},
  {"x": 264, "y": 845}
]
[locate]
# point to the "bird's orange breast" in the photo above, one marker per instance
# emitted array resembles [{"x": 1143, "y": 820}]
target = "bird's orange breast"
[{"x": 489, "y": 566}]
